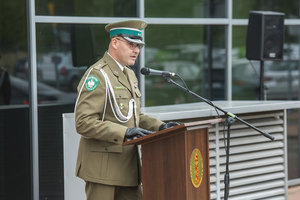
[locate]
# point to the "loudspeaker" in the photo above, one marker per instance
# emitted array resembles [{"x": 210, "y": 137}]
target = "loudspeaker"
[{"x": 265, "y": 35}]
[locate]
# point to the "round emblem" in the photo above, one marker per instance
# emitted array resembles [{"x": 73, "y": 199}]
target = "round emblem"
[
  {"x": 143, "y": 25},
  {"x": 196, "y": 168},
  {"x": 91, "y": 83}
]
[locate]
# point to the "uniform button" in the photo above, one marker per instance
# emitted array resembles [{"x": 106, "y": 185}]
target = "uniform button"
[
  {"x": 120, "y": 95},
  {"x": 116, "y": 140},
  {"x": 106, "y": 149}
]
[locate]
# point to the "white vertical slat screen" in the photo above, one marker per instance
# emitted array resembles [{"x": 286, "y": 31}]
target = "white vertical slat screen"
[{"x": 256, "y": 164}]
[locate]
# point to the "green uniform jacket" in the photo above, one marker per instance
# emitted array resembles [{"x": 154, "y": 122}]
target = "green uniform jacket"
[{"x": 101, "y": 156}]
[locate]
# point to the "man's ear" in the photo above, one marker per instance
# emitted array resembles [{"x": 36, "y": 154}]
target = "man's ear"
[{"x": 114, "y": 42}]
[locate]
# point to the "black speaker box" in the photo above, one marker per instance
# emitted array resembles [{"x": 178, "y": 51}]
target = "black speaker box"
[{"x": 265, "y": 36}]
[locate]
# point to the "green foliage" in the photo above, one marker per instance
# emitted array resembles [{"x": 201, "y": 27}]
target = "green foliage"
[
  {"x": 174, "y": 8},
  {"x": 241, "y": 8},
  {"x": 13, "y": 31}
]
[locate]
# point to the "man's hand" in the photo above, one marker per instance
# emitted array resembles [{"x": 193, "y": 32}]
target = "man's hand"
[
  {"x": 168, "y": 125},
  {"x": 137, "y": 132}
]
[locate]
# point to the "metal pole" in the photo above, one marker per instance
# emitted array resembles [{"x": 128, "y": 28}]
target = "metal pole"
[
  {"x": 228, "y": 78},
  {"x": 33, "y": 108},
  {"x": 262, "y": 88},
  {"x": 142, "y": 60}
]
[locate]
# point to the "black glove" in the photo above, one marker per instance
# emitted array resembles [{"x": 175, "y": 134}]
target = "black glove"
[
  {"x": 168, "y": 125},
  {"x": 137, "y": 132}
]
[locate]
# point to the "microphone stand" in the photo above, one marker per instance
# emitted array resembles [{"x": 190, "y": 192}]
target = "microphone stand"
[{"x": 230, "y": 120}]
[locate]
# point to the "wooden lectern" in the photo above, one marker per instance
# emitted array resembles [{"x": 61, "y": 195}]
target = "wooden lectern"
[{"x": 175, "y": 162}]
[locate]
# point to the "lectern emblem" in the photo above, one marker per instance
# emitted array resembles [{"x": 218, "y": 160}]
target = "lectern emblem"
[{"x": 196, "y": 168}]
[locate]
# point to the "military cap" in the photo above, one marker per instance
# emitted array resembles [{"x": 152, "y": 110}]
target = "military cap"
[{"x": 130, "y": 30}]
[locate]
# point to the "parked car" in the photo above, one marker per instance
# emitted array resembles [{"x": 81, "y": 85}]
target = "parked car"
[
  {"x": 19, "y": 68},
  {"x": 159, "y": 91},
  {"x": 46, "y": 93},
  {"x": 282, "y": 80},
  {"x": 56, "y": 69},
  {"x": 245, "y": 80}
]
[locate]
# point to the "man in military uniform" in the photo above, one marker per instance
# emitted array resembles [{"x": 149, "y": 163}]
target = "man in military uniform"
[{"x": 107, "y": 111}]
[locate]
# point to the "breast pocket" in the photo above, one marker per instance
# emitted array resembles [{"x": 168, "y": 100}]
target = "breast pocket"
[{"x": 122, "y": 97}]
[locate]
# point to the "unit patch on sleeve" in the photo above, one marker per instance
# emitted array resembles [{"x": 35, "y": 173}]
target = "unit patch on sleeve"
[{"x": 91, "y": 83}]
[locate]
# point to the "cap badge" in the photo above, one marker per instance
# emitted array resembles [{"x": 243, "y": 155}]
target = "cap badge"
[{"x": 143, "y": 25}]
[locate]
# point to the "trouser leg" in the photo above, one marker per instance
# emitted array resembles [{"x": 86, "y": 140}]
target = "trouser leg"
[
  {"x": 129, "y": 193},
  {"x": 95, "y": 191}
]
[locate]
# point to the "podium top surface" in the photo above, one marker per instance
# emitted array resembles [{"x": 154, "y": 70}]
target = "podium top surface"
[
  {"x": 201, "y": 109},
  {"x": 170, "y": 131}
]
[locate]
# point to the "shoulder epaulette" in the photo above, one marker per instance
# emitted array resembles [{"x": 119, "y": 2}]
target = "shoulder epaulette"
[{"x": 100, "y": 64}]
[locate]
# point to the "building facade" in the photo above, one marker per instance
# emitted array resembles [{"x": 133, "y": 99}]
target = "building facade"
[{"x": 46, "y": 46}]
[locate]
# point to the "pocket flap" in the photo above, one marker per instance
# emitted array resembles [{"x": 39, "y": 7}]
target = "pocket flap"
[
  {"x": 121, "y": 93},
  {"x": 138, "y": 94},
  {"x": 101, "y": 146}
]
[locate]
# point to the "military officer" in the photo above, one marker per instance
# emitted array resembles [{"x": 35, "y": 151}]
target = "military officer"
[{"x": 107, "y": 111}]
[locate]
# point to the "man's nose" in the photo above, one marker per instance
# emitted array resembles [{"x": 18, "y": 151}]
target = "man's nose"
[{"x": 136, "y": 49}]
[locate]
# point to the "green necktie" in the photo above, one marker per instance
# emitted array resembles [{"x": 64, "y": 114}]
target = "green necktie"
[{"x": 125, "y": 71}]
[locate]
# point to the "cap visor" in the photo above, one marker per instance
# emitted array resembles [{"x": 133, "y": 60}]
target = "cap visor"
[{"x": 137, "y": 41}]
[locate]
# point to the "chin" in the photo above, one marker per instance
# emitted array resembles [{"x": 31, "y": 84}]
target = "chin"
[{"x": 131, "y": 63}]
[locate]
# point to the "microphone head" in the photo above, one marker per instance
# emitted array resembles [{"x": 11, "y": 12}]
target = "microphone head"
[{"x": 145, "y": 71}]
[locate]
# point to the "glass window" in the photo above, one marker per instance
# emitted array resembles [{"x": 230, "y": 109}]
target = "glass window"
[
  {"x": 13, "y": 54},
  {"x": 241, "y": 9},
  {"x": 282, "y": 77},
  {"x": 91, "y": 8},
  {"x": 195, "y": 53},
  {"x": 185, "y": 9},
  {"x": 245, "y": 73},
  {"x": 64, "y": 53}
]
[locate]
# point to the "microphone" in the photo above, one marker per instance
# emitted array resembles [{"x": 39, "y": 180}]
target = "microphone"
[{"x": 148, "y": 71}]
